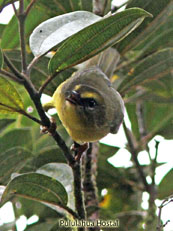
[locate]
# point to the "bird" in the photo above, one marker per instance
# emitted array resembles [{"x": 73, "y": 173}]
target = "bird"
[{"x": 88, "y": 105}]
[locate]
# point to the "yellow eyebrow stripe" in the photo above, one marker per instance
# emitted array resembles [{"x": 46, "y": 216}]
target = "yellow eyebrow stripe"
[{"x": 88, "y": 94}]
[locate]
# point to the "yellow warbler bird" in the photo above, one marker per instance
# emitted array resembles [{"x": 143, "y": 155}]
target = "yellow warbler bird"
[{"x": 88, "y": 106}]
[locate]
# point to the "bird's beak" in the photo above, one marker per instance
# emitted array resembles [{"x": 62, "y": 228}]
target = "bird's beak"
[{"x": 74, "y": 98}]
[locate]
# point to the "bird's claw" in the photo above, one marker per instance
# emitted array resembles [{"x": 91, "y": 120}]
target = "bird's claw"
[
  {"x": 51, "y": 129},
  {"x": 79, "y": 150}
]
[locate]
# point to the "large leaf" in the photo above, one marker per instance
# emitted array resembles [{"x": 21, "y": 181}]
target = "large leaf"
[
  {"x": 4, "y": 123},
  {"x": 15, "y": 138},
  {"x": 11, "y": 161},
  {"x": 165, "y": 187},
  {"x": 155, "y": 8},
  {"x": 95, "y": 38},
  {"x": 36, "y": 187},
  {"x": 63, "y": 173},
  {"x": 53, "y": 31},
  {"x": 157, "y": 67},
  {"x": 10, "y": 100}
]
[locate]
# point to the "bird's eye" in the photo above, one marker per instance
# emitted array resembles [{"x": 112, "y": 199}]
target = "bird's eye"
[{"x": 89, "y": 103}]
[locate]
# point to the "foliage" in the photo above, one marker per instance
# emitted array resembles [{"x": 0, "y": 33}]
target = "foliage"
[{"x": 38, "y": 171}]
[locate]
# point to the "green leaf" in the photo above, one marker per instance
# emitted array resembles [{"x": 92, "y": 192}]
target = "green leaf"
[
  {"x": 95, "y": 38},
  {"x": 155, "y": 8},
  {"x": 53, "y": 31},
  {"x": 37, "y": 187},
  {"x": 45, "y": 156},
  {"x": 63, "y": 173},
  {"x": 157, "y": 67},
  {"x": 156, "y": 36},
  {"x": 15, "y": 138},
  {"x": 165, "y": 188},
  {"x": 4, "y": 123},
  {"x": 1, "y": 59},
  {"x": 10, "y": 100},
  {"x": 11, "y": 161}
]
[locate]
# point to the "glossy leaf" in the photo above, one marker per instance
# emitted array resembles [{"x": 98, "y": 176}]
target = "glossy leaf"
[
  {"x": 36, "y": 187},
  {"x": 15, "y": 138},
  {"x": 11, "y": 161},
  {"x": 10, "y": 100},
  {"x": 157, "y": 67},
  {"x": 95, "y": 38},
  {"x": 165, "y": 187},
  {"x": 4, "y": 123},
  {"x": 53, "y": 31}
]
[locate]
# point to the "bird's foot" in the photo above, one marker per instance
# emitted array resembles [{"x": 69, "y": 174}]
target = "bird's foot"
[
  {"x": 51, "y": 129},
  {"x": 79, "y": 150}
]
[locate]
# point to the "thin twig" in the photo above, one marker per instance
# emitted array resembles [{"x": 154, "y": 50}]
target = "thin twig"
[
  {"x": 11, "y": 76},
  {"x": 21, "y": 20},
  {"x": 29, "y": 7},
  {"x": 47, "y": 81},
  {"x": 163, "y": 204},
  {"x": 21, "y": 112},
  {"x": 154, "y": 163},
  {"x": 14, "y": 8},
  {"x": 134, "y": 153}
]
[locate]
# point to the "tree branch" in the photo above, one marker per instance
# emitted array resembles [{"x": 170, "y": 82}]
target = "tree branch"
[
  {"x": 11, "y": 76},
  {"x": 12, "y": 67},
  {"x": 134, "y": 153},
  {"x": 79, "y": 203},
  {"x": 89, "y": 184},
  {"x": 21, "y": 19}
]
